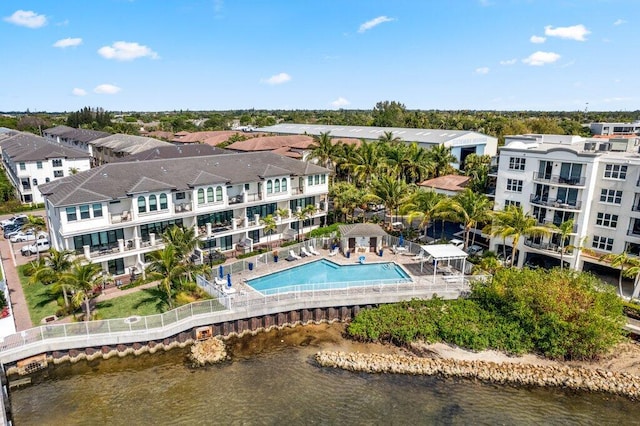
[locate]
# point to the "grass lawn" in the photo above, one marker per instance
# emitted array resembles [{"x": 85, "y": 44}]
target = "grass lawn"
[
  {"x": 138, "y": 303},
  {"x": 39, "y": 302}
]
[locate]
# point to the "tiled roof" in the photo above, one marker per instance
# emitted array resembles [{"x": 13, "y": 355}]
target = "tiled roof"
[
  {"x": 128, "y": 144},
  {"x": 27, "y": 147},
  {"x": 173, "y": 151},
  {"x": 270, "y": 143},
  {"x": 80, "y": 135},
  {"x": 361, "y": 230},
  {"x": 447, "y": 183},
  {"x": 116, "y": 180}
]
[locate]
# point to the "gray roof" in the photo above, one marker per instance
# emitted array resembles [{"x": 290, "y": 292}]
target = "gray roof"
[
  {"x": 71, "y": 133},
  {"x": 119, "y": 180},
  {"x": 28, "y": 147},
  {"x": 174, "y": 151},
  {"x": 128, "y": 144},
  {"x": 427, "y": 136},
  {"x": 361, "y": 230}
]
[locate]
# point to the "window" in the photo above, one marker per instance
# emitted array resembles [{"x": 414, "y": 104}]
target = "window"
[
  {"x": 210, "y": 195},
  {"x": 310, "y": 180},
  {"x": 323, "y": 179},
  {"x": 277, "y": 186},
  {"x": 219, "y": 193},
  {"x": 163, "y": 202},
  {"x": 56, "y": 163},
  {"x": 514, "y": 185},
  {"x": 47, "y": 180},
  {"x": 23, "y": 166},
  {"x": 615, "y": 171},
  {"x": 602, "y": 243},
  {"x": 508, "y": 203},
  {"x": 610, "y": 196},
  {"x": 39, "y": 164},
  {"x": 97, "y": 210},
  {"x": 247, "y": 186},
  {"x": 71, "y": 214},
  {"x": 28, "y": 198},
  {"x": 607, "y": 219},
  {"x": 316, "y": 180},
  {"x": 142, "y": 205},
  {"x": 200, "y": 196},
  {"x": 58, "y": 173},
  {"x": 284, "y": 184},
  {"x": 35, "y": 182},
  {"x": 517, "y": 163},
  {"x": 153, "y": 203},
  {"x": 84, "y": 212},
  {"x": 180, "y": 196},
  {"x": 269, "y": 186}
]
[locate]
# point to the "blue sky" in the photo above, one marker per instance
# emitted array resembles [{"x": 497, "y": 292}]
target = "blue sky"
[{"x": 152, "y": 55}]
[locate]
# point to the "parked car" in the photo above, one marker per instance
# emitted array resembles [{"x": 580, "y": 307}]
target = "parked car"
[
  {"x": 22, "y": 236},
  {"x": 19, "y": 219},
  {"x": 38, "y": 246},
  {"x": 10, "y": 231},
  {"x": 458, "y": 243},
  {"x": 475, "y": 250}
]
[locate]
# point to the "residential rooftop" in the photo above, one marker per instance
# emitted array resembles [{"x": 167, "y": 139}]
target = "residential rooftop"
[{"x": 23, "y": 147}]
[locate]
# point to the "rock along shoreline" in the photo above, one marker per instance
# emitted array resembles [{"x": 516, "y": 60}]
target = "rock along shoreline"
[{"x": 577, "y": 378}]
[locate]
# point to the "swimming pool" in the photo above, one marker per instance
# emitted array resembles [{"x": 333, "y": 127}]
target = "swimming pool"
[{"x": 325, "y": 274}]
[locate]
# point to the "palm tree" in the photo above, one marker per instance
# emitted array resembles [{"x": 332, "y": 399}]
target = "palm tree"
[
  {"x": 166, "y": 267},
  {"x": 423, "y": 205},
  {"x": 389, "y": 138},
  {"x": 51, "y": 269},
  {"x": 416, "y": 165},
  {"x": 324, "y": 150},
  {"x": 302, "y": 215},
  {"x": 390, "y": 192},
  {"x": 513, "y": 222},
  {"x": 477, "y": 167},
  {"x": 367, "y": 162},
  {"x": 441, "y": 158},
  {"x": 269, "y": 223},
  {"x": 620, "y": 260},
  {"x": 282, "y": 213},
  {"x": 564, "y": 231},
  {"x": 83, "y": 279},
  {"x": 184, "y": 240},
  {"x": 470, "y": 208}
]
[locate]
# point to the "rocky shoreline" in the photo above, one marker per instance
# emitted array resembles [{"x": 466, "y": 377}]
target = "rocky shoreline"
[{"x": 577, "y": 378}]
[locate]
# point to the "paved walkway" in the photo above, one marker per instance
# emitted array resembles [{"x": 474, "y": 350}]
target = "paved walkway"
[{"x": 18, "y": 301}]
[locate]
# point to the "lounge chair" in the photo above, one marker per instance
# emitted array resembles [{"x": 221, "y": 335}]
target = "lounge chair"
[
  {"x": 313, "y": 251},
  {"x": 304, "y": 252},
  {"x": 334, "y": 251},
  {"x": 220, "y": 281},
  {"x": 294, "y": 255}
]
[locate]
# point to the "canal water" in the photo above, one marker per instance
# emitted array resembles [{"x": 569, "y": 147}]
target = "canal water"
[{"x": 272, "y": 379}]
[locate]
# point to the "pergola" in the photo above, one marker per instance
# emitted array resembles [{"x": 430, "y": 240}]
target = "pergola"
[{"x": 442, "y": 252}]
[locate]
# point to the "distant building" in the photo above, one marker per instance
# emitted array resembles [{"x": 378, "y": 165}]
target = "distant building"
[
  {"x": 31, "y": 160},
  {"x": 461, "y": 142},
  {"x": 615, "y": 128},
  {"x": 447, "y": 185},
  {"x": 174, "y": 151},
  {"x": 74, "y": 138}
]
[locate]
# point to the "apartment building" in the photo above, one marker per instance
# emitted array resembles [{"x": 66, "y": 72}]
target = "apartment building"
[
  {"x": 556, "y": 178},
  {"x": 75, "y": 138},
  {"x": 614, "y": 129},
  {"x": 31, "y": 160},
  {"x": 115, "y": 214}
]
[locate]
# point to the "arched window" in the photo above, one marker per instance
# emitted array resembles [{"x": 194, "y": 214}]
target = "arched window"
[
  {"x": 310, "y": 180},
  {"x": 210, "y": 195},
  {"x": 284, "y": 184},
  {"x": 269, "y": 186},
  {"x": 277, "y": 186},
  {"x": 142, "y": 205},
  {"x": 163, "y": 202},
  {"x": 200, "y": 196},
  {"x": 35, "y": 182},
  {"x": 218, "y": 193},
  {"x": 153, "y": 203}
]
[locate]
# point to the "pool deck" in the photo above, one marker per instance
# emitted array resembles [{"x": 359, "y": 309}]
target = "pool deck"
[{"x": 410, "y": 265}]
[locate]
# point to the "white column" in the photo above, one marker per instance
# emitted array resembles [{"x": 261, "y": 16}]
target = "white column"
[
  {"x": 208, "y": 226},
  {"x": 152, "y": 238},
  {"x": 87, "y": 252},
  {"x": 121, "y": 245},
  {"x": 256, "y": 217}
]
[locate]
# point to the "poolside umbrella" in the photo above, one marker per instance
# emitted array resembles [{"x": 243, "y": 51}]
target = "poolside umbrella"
[
  {"x": 401, "y": 241},
  {"x": 220, "y": 273},
  {"x": 229, "y": 280}
]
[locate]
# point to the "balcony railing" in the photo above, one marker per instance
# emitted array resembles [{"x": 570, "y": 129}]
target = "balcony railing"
[
  {"x": 558, "y": 180},
  {"x": 548, "y": 222},
  {"x": 184, "y": 207},
  {"x": 297, "y": 190},
  {"x": 547, "y": 246},
  {"x": 555, "y": 203},
  {"x": 633, "y": 232}
]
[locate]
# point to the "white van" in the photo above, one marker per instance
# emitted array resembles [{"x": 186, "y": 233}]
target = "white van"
[{"x": 39, "y": 246}]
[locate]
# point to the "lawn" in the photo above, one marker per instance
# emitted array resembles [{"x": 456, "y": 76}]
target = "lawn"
[
  {"x": 39, "y": 302},
  {"x": 138, "y": 303}
]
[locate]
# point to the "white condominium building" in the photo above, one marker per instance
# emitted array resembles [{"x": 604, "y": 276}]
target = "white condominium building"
[
  {"x": 556, "y": 178},
  {"x": 115, "y": 214}
]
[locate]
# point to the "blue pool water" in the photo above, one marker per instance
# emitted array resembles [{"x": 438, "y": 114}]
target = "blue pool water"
[{"x": 324, "y": 274}]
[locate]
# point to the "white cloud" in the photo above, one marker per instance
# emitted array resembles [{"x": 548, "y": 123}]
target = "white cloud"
[
  {"x": 340, "y": 102},
  {"x": 537, "y": 39},
  {"x": 575, "y": 32},
  {"x": 374, "y": 23},
  {"x": 106, "y": 89},
  {"x": 482, "y": 70},
  {"x": 509, "y": 61},
  {"x": 283, "y": 77},
  {"x": 78, "y": 92},
  {"x": 68, "y": 42},
  {"x": 619, "y": 22},
  {"x": 541, "y": 58},
  {"x": 616, "y": 99},
  {"x": 27, "y": 18},
  {"x": 126, "y": 51}
]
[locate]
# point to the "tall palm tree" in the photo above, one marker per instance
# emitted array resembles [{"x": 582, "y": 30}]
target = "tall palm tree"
[
  {"x": 441, "y": 158},
  {"x": 470, "y": 208},
  {"x": 367, "y": 162},
  {"x": 51, "y": 271},
  {"x": 416, "y": 165},
  {"x": 270, "y": 225},
  {"x": 345, "y": 161},
  {"x": 184, "y": 240},
  {"x": 389, "y": 138},
  {"x": 166, "y": 267},
  {"x": 83, "y": 278},
  {"x": 390, "y": 191},
  {"x": 324, "y": 150},
  {"x": 513, "y": 222},
  {"x": 423, "y": 205},
  {"x": 302, "y": 215},
  {"x": 564, "y": 231},
  {"x": 620, "y": 260}
]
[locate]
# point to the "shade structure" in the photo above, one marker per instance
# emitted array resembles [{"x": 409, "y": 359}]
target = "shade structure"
[
  {"x": 220, "y": 271},
  {"x": 229, "y": 280},
  {"x": 442, "y": 252}
]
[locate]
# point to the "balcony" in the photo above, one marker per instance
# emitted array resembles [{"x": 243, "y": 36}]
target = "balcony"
[
  {"x": 183, "y": 207},
  {"x": 236, "y": 199},
  {"x": 125, "y": 216},
  {"x": 297, "y": 191},
  {"x": 548, "y": 222},
  {"x": 558, "y": 180},
  {"x": 555, "y": 203},
  {"x": 547, "y": 246}
]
